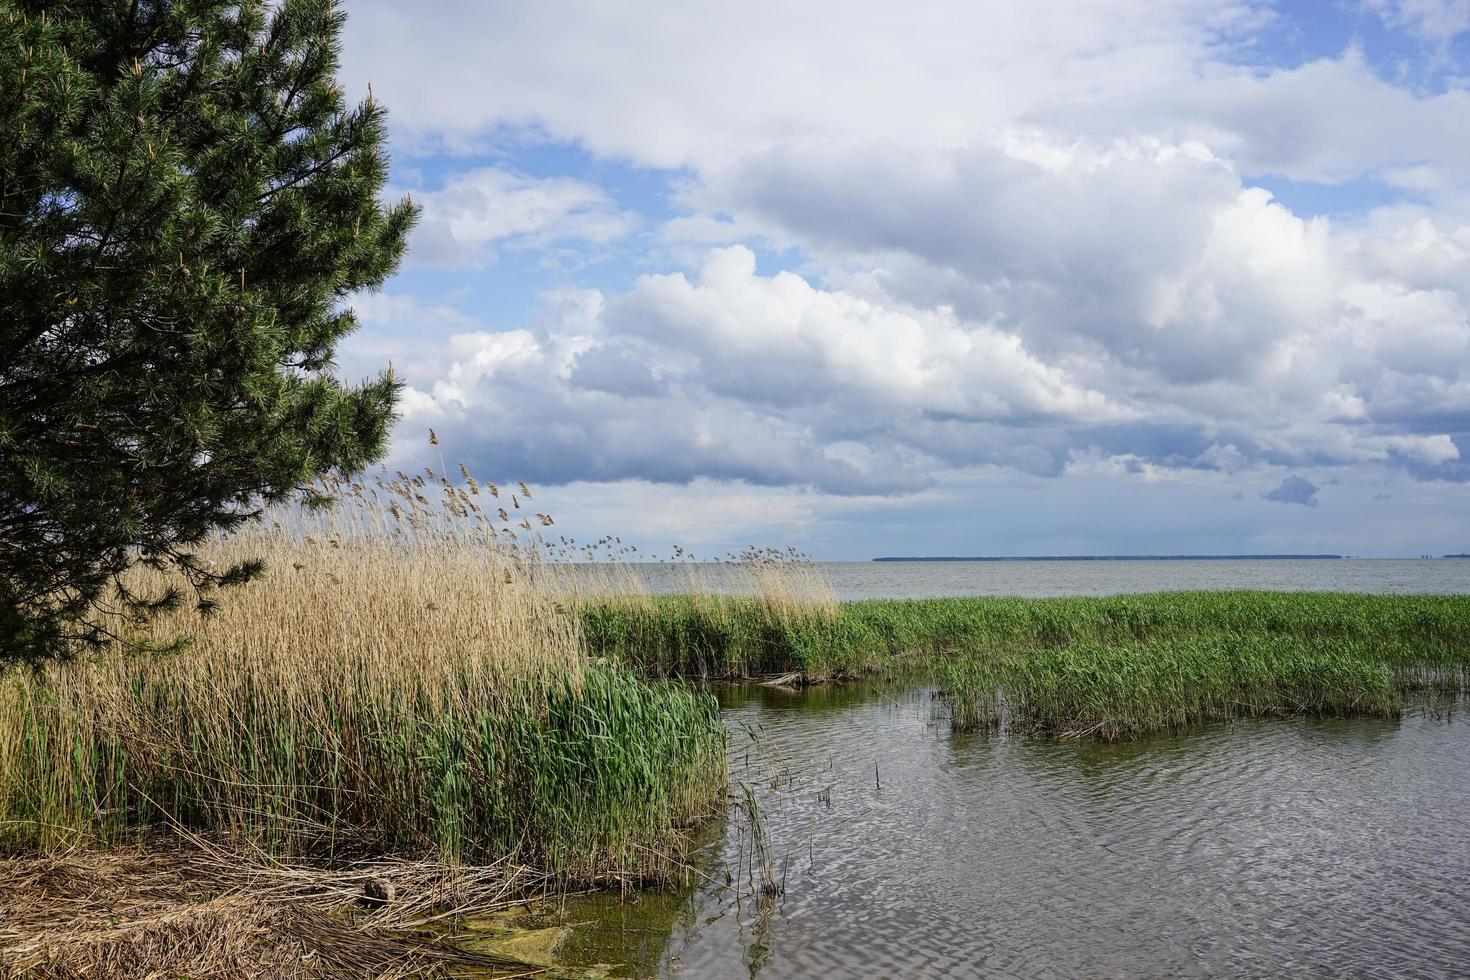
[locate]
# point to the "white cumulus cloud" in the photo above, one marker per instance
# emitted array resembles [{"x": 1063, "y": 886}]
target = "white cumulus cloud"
[
  {"x": 1058, "y": 241},
  {"x": 480, "y": 210}
]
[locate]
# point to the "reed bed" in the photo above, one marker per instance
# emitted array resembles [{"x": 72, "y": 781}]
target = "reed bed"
[
  {"x": 425, "y": 681},
  {"x": 1112, "y": 667},
  {"x": 721, "y": 636},
  {"x": 666, "y": 633},
  {"x": 1114, "y": 692},
  {"x": 1436, "y": 625},
  {"x": 399, "y": 683},
  {"x": 756, "y": 612}
]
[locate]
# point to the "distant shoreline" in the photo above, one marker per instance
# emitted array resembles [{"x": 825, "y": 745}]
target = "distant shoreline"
[{"x": 1120, "y": 558}]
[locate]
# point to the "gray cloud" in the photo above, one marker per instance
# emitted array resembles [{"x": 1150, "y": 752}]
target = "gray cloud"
[
  {"x": 1293, "y": 490},
  {"x": 615, "y": 371}
]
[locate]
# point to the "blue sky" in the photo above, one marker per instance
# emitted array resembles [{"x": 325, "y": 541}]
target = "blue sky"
[{"x": 1170, "y": 276}]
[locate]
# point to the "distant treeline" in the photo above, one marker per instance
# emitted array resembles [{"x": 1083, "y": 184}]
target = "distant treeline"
[{"x": 1123, "y": 558}]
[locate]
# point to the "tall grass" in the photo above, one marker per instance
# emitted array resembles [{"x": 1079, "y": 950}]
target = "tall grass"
[
  {"x": 969, "y": 691},
  {"x": 1426, "y": 630},
  {"x": 713, "y": 635},
  {"x": 760, "y": 612},
  {"x": 673, "y": 633},
  {"x": 1130, "y": 689},
  {"x": 1111, "y": 667},
  {"x": 399, "y": 683}
]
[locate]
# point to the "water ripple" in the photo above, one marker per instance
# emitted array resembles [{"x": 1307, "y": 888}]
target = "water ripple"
[{"x": 1310, "y": 848}]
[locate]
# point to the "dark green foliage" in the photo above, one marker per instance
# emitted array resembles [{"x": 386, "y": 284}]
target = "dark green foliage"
[{"x": 186, "y": 199}]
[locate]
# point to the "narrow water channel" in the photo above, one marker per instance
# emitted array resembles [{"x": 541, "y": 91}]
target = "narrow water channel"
[{"x": 1302, "y": 847}]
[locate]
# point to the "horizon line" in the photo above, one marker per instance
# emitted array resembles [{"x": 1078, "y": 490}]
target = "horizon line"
[{"x": 1264, "y": 557}]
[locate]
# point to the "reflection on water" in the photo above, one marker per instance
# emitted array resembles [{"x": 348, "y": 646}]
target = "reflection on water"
[{"x": 1258, "y": 848}]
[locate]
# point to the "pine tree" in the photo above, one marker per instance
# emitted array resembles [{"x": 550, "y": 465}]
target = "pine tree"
[{"x": 186, "y": 200}]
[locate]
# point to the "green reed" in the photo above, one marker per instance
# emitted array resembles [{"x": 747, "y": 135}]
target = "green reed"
[
  {"x": 581, "y": 775},
  {"x": 714, "y": 636},
  {"x": 1109, "y": 667},
  {"x": 1129, "y": 689},
  {"x": 969, "y": 690},
  {"x": 735, "y": 637}
]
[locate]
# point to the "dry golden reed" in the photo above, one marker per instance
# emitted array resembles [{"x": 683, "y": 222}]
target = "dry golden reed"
[
  {"x": 400, "y": 682},
  {"x": 185, "y": 910}
]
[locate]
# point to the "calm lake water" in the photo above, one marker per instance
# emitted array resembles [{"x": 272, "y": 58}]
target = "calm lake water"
[
  {"x": 1309, "y": 848},
  {"x": 1264, "y": 848},
  {"x": 916, "y": 580}
]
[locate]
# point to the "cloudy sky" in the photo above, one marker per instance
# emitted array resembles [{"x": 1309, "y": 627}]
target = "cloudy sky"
[{"x": 943, "y": 277}]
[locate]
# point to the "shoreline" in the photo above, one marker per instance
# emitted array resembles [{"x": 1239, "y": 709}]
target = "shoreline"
[{"x": 614, "y": 747}]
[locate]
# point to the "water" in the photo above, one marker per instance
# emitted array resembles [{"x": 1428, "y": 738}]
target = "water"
[
  {"x": 1303, "y": 847},
  {"x": 916, "y": 580},
  {"x": 1310, "y": 848}
]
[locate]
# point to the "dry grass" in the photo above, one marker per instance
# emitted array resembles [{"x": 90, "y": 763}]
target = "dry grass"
[
  {"x": 198, "y": 912},
  {"x": 738, "y": 616},
  {"x": 785, "y": 585},
  {"x": 399, "y": 683},
  {"x": 405, "y": 699},
  {"x": 398, "y": 574}
]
